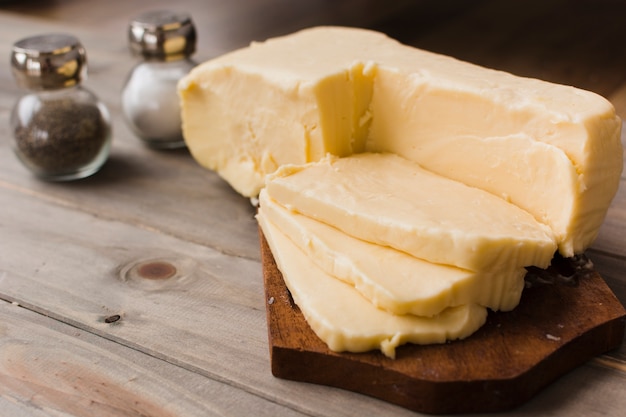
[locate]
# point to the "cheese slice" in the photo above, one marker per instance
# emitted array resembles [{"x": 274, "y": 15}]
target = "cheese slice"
[
  {"x": 510, "y": 165},
  {"x": 390, "y": 279},
  {"x": 346, "y": 321},
  {"x": 552, "y": 150},
  {"x": 391, "y": 201}
]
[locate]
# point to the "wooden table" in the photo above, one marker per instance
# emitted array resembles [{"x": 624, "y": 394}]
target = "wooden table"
[{"x": 195, "y": 344}]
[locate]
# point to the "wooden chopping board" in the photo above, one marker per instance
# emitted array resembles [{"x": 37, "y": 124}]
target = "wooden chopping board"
[{"x": 555, "y": 328}]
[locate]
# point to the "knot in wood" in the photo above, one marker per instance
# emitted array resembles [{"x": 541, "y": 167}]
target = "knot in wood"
[{"x": 156, "y": 270}]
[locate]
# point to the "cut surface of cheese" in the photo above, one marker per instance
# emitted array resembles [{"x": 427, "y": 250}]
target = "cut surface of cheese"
[
  {"x": 390, "y": 279},
  {"x": 478, "y": 126},
  {"x": 229, "y": 127},
  {"x": 391, "y": 201},
  {"x": 553, "y": 150},
  {"x": 511, "y": 165},
  {"x": 346, "y": 321}
]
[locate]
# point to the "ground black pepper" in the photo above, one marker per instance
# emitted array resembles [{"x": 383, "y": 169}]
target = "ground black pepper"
[
  {"x": 61, "y": 130},
  {"x": 62, "y": 136}
]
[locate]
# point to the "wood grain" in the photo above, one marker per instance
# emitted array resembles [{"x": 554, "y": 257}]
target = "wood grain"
[
  {"x": 48, "y": 368},
  {"x": 208, "y": 318},
  {"x": 505, "y": 363},
  {"x": 69, "y": 252}
]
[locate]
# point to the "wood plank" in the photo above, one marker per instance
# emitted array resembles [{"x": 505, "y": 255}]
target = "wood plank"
[
  {"x": 208, "y": 317},
  {"x": 612, "y": 270},
  {"x": 167, "y": 191},
  {"x": 65, "y": 248},
  {"x": 203, "y": 321},
  {"x": 47, "y": 368}
]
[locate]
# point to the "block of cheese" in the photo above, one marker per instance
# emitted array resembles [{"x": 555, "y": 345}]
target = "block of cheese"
[
  {"x": 346, "y": 321},
  {"x": 553, "y": 150},
  {"x": 245, "y": 114},
  {"x": 392, "y": 201},
  {"x": 390, "y": 279}
]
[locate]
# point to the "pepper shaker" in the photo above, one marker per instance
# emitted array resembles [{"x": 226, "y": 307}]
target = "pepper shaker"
[
  {"x": 165, "y": 40},
  {"x": 62, "y": 130}
]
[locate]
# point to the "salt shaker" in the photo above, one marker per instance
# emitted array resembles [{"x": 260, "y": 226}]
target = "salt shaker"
[
  {"x": 165, "y": 40},
  {"x": 62, "y": 130}
]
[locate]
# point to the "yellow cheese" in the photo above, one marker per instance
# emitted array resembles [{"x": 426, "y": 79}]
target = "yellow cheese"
[
  {"x": 391, "y": 279},
  {"x": 553, "y": 150},
  {"x": 391, "y": 201},
  {"x": 244, "y": 117},
  {"x": 513, "y": 167},
  {"x": 346, "y": 321}
]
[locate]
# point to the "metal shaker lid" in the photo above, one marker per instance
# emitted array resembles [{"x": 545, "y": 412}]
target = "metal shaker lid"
[
  {"x": 49, "y": 61},
  {"x": 162, "y": 34}
]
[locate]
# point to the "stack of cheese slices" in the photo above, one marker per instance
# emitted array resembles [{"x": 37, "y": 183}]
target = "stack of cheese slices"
[{"x": 402, "y": 192}]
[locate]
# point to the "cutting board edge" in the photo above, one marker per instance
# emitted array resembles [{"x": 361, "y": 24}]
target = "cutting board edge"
[{"x": 297, "y": 363}]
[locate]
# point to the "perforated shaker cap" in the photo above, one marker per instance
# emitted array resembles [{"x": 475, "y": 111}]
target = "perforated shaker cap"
[
  {"x": 49, "y": 61},
  {"x": 162, "y": 34}
]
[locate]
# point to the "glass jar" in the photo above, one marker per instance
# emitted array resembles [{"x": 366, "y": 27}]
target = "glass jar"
[
  {"x": 165, "y": 40},
  {"x": 61, "y": 130}
]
